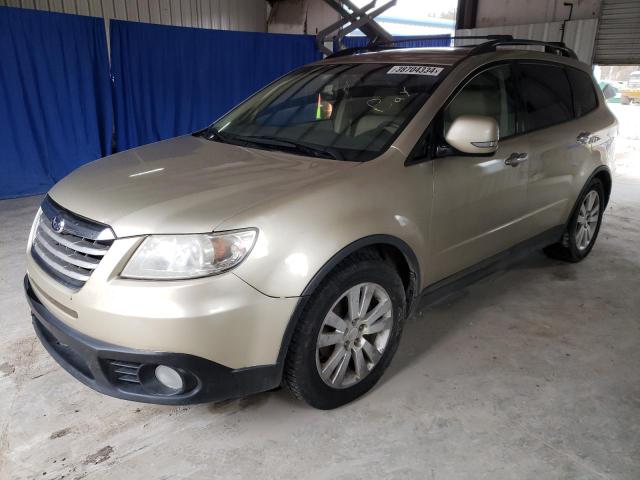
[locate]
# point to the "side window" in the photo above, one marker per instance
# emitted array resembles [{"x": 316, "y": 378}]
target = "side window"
[
  {"x": 547, "y": 95},
  {"x": 584, "y": 95},
  {"x": 490, "y": 93}
]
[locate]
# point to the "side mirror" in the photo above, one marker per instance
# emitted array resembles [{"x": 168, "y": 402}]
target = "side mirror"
[{"x": 474, "y": 134}]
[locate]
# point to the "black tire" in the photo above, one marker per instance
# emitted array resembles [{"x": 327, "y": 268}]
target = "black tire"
[
  {"x": 624, "y": 100},
  {"x": 567, "y": 249},
  {"x": 301, "y": 374}
]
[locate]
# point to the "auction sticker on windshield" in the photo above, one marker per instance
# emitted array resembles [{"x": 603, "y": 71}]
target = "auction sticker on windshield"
[{"x": 415, "y": 70}]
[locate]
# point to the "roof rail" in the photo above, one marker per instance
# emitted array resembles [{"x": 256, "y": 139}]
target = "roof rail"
[
  {"x": 491, "y": 44},
  {"x": 557, "y": 48},
  {"x": 445, "y": 37},
  {"x": 384, "y": 45}
]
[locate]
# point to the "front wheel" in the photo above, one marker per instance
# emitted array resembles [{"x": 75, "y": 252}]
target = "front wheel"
[
  {"x": 583, "y": 227},
  {"x": 347, "y": 334}
]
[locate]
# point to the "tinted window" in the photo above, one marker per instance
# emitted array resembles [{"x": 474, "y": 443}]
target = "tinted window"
[
  {"x": 546, "y": 94},
  {"x": 490, "y": 93},
  {"x": 584, "y": 95}
]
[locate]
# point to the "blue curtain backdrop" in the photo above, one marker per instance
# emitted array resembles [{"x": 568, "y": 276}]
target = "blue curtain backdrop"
[
  {"x": 170, "y": 81},
  {"x": 55, "y": 97},
  {"x": 361, "y": 41}
]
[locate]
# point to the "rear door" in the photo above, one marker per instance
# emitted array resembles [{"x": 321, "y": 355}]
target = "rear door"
[
  {"x": 479, "y": 201},
  {"x": 556, "y": 119}
]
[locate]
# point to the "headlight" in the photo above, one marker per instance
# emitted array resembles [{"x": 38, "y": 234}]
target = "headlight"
[
  {"x": 174, "y": 257},
  {"x": 34, "y": 227}
]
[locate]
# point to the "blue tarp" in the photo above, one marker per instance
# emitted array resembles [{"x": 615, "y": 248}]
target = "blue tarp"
[
  {"x": 55, "y": 97},
  {"x": 170, "y": 81}
]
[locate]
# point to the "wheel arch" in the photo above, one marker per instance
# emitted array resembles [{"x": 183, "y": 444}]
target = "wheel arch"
[
  {"x": 602, "y": 173},
  {"x": 390, "y": 248}
]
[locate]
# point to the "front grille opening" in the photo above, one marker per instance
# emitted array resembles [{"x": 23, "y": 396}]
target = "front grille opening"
[
  {"x": 71, "y": 254},
  {"x": 123, "y": 373}
]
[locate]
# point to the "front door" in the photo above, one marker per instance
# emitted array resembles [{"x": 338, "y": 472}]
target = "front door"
[{"x": 480, "y": 201}]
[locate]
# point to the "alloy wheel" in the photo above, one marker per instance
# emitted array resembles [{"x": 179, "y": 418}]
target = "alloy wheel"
[
  {"x": 354, "y": 335},
  {"x": 587, "y": 222}
]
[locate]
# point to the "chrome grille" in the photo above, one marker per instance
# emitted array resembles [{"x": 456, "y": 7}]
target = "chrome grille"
[{"x": 71, "y": 254}]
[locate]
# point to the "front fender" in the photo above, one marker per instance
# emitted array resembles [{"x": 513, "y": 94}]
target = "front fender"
[
  {"x": 301, "y": 233},
  {"x": 288, "y": 261}
]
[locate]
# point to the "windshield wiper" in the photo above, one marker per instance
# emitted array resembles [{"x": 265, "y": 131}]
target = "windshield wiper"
[
  {"x": 294, "y": 145},
  {"x": 213, "y": 134}
]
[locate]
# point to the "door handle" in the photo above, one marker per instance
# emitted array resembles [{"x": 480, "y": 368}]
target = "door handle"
[
  {"x": 516, "y": 159},
  {"x": 583, "y": 137}
]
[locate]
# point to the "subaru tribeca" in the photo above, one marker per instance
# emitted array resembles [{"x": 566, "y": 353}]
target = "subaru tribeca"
[{"x": 287, "y": 242}]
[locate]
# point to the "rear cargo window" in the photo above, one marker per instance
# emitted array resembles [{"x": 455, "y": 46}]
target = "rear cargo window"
[{"x": 584, "y": 94}]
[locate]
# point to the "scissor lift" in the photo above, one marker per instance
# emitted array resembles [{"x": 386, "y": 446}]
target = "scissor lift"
[{"x": 354, "y": 18}]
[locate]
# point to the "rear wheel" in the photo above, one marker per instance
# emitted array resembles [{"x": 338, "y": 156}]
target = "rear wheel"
[
  {"x": 347, "y": 334},
  {"x": 583, "y": 227},
  {"x": 624, "y": 100}
]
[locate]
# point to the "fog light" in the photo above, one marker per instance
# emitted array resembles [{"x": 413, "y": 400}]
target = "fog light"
[{"x": 169, "y": 377}]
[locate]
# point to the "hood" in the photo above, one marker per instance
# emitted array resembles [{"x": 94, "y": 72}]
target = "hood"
[{"x": 184, "y": 185}]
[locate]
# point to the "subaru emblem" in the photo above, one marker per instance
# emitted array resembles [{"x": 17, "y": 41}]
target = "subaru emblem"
[{"x": 57, "y": 223}]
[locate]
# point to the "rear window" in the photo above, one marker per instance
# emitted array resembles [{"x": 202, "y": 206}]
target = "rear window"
[
  {"x": 584, "y": 95},
  {"x": 547, "y": 95}
]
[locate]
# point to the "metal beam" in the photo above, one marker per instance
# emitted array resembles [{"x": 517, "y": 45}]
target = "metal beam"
[
  {"x": 466, "y": 14},
  {"x": 354, "y": 17},
  {"x": 363, "y": 21}
]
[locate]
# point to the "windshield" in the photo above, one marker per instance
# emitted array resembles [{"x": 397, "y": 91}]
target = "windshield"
[{"x": 347, "y": 112}]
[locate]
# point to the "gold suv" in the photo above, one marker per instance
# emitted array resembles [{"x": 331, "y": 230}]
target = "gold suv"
[{"x": 287, "y": 242}]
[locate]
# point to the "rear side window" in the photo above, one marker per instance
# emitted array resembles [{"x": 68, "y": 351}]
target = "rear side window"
[
  {"x": 584, "y": 95},
  {"x": 547, "y": 95}
]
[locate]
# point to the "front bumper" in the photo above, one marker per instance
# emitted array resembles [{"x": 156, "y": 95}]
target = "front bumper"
[
  {"x": 128, "y": 373},
  {"x": 220, "y": 318}
]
